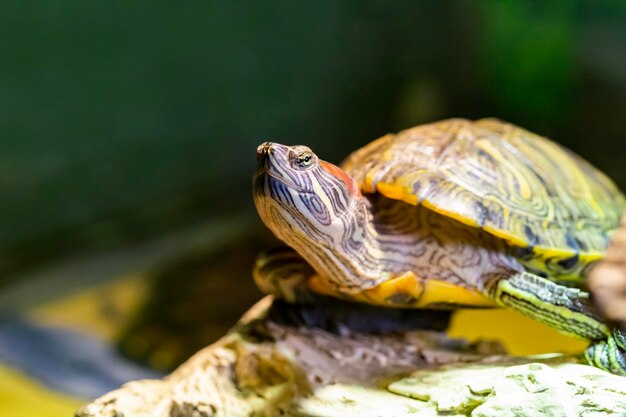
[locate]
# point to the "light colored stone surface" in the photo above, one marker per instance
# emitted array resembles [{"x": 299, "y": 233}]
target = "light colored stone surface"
[
  {"x": 267, "y": 369},
  {"x": 530, "y": 389}
]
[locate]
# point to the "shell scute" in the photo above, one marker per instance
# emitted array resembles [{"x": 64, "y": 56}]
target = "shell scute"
[{"x": 510, "y": 182}]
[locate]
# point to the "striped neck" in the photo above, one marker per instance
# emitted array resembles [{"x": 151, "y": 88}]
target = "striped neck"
[{"x": 347, "y": 253}]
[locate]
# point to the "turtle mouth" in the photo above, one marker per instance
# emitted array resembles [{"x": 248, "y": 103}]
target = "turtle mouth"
[{"x": 265, "y": 173}]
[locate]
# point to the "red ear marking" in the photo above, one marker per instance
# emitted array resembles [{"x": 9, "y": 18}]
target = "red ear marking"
[{"x": 342, "y": 176}]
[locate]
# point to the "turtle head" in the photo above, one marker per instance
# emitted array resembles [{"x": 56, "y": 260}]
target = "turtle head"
[{"x": 298, "y": 195}]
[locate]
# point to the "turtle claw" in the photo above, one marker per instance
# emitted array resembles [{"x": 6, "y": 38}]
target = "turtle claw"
[{"x": 609, "y": 354}]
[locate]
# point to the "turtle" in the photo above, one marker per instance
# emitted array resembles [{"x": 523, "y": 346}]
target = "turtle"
[{"x": 446, "y": 215}]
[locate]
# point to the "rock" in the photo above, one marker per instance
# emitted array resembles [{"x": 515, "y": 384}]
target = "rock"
[
  {"x": 546, "y": 388},
  {"x": 265, "y": 368}
]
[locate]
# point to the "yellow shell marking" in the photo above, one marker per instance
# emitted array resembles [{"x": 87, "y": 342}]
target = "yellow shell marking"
[{"x": 418, "y": 293}]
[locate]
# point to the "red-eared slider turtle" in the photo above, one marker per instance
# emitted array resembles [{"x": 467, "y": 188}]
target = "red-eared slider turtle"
[{"x": 450, "y": 214}]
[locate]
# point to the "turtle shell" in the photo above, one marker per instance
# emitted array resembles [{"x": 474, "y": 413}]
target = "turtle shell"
[{"x": 512, "y": 183}]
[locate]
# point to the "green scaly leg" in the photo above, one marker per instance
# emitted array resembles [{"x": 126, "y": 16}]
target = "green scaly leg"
[{"x": 569, "y": 311}]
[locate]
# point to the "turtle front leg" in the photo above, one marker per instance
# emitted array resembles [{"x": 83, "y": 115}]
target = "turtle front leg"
[
  {"x": 609, "y": 354},
  {"x": 284, "y": 274},
  {"x": 569, "y": 311}
]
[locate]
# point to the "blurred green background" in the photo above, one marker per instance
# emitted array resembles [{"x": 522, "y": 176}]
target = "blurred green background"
[
  {"x": 120, "y": 120},
  {"x": 129, "y": 128}
]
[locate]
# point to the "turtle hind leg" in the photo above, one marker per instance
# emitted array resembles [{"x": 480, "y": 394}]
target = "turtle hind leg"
[{"x": 569, "y": 311}]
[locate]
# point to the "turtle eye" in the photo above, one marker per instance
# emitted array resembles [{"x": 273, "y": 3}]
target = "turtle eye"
[{"x": 304, "y": 160}]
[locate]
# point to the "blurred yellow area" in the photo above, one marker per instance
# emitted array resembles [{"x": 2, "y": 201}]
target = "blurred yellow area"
[
  {"x": 22, "y": 397},
  {"x": 519, "y": 334},
  {"x": 101, "y": 311}
]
